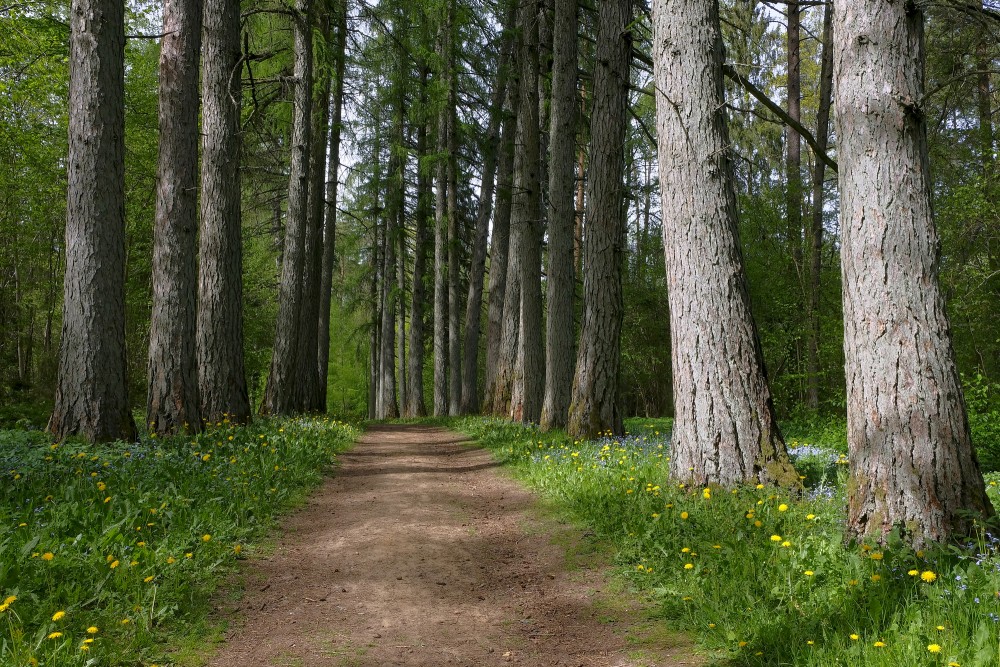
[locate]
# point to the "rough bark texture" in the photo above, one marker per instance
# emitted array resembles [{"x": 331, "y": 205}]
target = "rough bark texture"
[
  {"x": 330, "y": 210},
  {"x": 281, "y": 396},
  {"x": 561, "y": 281},
  {"x": 454, "y": 252},
  {"x": 441, "y": 272},
  {"x": 912, "y": 463},
  {"x": 221, "y": 371},
  {"x": 477, "y": 271},
  {"x": 594, "y": 408},
  {"x": 816, "y": 223},
  {"x": 793, "y": 142},
  {"x": 91, "y": 392},
  {"x": 526, "y": 226},
  {"x": 172, "y": 402},
  {"x": 415, "y": 405},
  {"x": 724, "y": 430},
  {"x": 385, "y": 399}
]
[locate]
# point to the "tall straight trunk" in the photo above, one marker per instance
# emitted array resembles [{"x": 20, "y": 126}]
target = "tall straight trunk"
[
  {"x": 454, "y": 252},
  {"x": 308, "y": 360},
  {"x": 330, "y": 210},
  {"x": 500, "y": 244},
  {"x": 912, "y": 462},
  {"x": 477, "y": 271},
  {"x": 401, "y": 300},
  {"x": 816, "y": 224},
  {"x": 725, "y": 431},
  {"x": 221, "y": 371},
  {"x": 415, "y": 405},
  {"x": 385, "y": 401},
  {"x": 561, "y": 281},
  {"x": 594, "y": 409},
  {"x": 441, "y": 225},
  {"x": 91, "y": 392},
  {"x": 281, "y": 396},
  {"x": 375, "y": 301},
  {"x": 793, "y": 142},
  {"x": 984, "y": 105},
  {"x": 526, "y": 226},
  {"x": 172, "y": 402}
]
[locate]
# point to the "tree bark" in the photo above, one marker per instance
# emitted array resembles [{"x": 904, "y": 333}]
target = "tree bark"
[
  {"x": 725, "y": 430},
  {"x": 793, "y": 143},
  {"x": 415, "y": 405},
  {"x": 526, "y": 227},
  {"x": 912, "y": 462},
  {"x": 816, "y": 224},
  {"x": 91, "y": 393},
  {"x": 441, "y": 394},
  {"x": 561, "y": 281},
  {"x": 454, "y": 251},
  {"x": 330, "y": 215},
  {"x": 594, "y": 409},
  {"x": 281, "y": 396},
  {"x": 221, "y": 370},
  {"x": 172, "y": 402}
]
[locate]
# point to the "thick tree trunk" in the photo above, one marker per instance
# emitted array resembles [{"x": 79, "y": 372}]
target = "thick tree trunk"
[
  {"x": 594, "y": 408},
  {"x": 172, "y": 402},
  {"x": 816, "y": 224},
  {"x": 415, "y": 405},
  {"x": 912, "y": 463},
  {"x": 725, "y": 430},
  {"x": 330, "y": 210},
  {"x": 221, "y": 371},
  {"x": 526, "y": 227},
  {"x": 281, "y": 396},
  {"x": 91, "y": 393},
  {"x": 561, "y": 281}
]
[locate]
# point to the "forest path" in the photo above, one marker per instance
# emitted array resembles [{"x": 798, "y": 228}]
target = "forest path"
[{"x": 418, "y": 552}]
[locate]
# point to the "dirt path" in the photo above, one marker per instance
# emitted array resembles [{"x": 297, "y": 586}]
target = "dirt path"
[{"x": 417, "y": 552}]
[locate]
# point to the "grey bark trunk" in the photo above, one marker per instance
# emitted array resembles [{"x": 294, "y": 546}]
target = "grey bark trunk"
[
  {"x": 725, "y": 430},
  {"x": 441, "y": 273},
  {"x": 912, "y": 463},
  {"x": 91, "y": 393},
  {"x": 281, "y": 396},
  {"x": 415, "y": 405},
  {"x": 454, "y": 251},
  {"x": 594, "y": 408},
  {"x": 793, "y": 142},
  {"x": 561, "y": 280},
  {"x": 172, "y": 402},
  {"x": 221, "y": 370}
]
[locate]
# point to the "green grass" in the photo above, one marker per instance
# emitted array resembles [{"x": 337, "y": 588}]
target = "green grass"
[
  {"x": 760, "y": 577},
  {"x": 109, "y": 553}
]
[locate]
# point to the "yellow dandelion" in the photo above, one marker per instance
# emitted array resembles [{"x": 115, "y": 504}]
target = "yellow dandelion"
[
  {"x": 58, "y": 616},
  {"x": 114, "y": 564},
  {"x": 684, "y": 515},
  {"x": 776, "y": 538},
  {"x": 879, "y": 644},
  {"x": 913, "y": 573},
  {"x": 149, "y": 579},
  {"x": 688, "y": 566},
  {"x": 934, "y": 648},
  {"x": 809, "y": 573},
  {"x": 782, "y": 507},
  {"x": 206, "y": 537},
  {"x": 93, "y": 630},
  {"x": 928, "y": 576},
  {"x": 48, "y": 555},
  {"x": 854, "y": 637},
  {"x": 55, "y": 635}
]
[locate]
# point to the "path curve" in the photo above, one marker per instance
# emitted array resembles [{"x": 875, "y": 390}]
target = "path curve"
[{"x": 418, "y": 553}]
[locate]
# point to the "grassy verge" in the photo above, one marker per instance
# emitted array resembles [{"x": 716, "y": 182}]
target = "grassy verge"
[
  {"x": 763, "y": 578},
  {"x": 109, "y": 551}
]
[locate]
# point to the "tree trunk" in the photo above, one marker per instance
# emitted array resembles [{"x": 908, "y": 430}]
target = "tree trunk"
[
  {"x": 912, "y": 463},
  {"x": 281, "y": 396},
  {"x": 526, "y": 226},
  {"x": 594, "y": 408},
  {"x": 561, "y": 281},
  {"x": 816, "y": 224},
  {"x": 725, "y": 430},
  {"x": 441, "y": 394},
  {"x": 172, "y": 402},
  {"x": 330, "y": 217},
  {"x": 91, "y": 393},
  {"x": 401, "y": 299},
  {"x": 415, "y": 406},
  {"x": 793, "y": 142},
  {"x": 385, "y": 403},
  {"x": 221, "y": 372},
  {"x": 454, "y": 252}
]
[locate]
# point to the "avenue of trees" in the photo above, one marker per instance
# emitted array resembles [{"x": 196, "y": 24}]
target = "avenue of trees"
[{"x": 560, "y": 212}]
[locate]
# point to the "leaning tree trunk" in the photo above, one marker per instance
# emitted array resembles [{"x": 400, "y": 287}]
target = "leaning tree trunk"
[
  {"x": 91, "y": 393},
  {"x": 221, "y": 371},
  {"x": 594, "y": 408},
  {"x": 912, "y": 463},
  {"x": 561, "y": 281},
  {"x": 526, "y": 225},
  {"x": 172, "y": 402},
  {"x": 725, "y": 430},
  {"x": 281, "y": 396}
]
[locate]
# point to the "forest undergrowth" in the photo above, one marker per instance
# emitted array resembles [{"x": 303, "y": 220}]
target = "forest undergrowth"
[
  {"x": 109, "y": 553},
  {"x": 763, "y": 576}
]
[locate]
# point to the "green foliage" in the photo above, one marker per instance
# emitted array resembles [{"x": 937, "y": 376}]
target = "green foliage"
[
  {"x": 130, "y": 538},
  {"x": 982, "y": 399},
  {"x": 761, "y": 577}
]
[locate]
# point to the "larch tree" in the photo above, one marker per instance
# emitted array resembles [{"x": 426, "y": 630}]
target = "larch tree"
[
  {"x": 441, "y": 305},
  {"x": 594, "y": 407},
  {"x": 281, "y": 396},
  {"x": 221, "y": 371},
  {"x": 91, "y": 397},
  {"x": 455, "y": 227},
  {"x": 912, "y": 462},
  {"x": 561, "y": 279},
  {"x": 414, "y": 404},
  {"x": 172, "y": 401},
  {"x": 725, "y": 430}
]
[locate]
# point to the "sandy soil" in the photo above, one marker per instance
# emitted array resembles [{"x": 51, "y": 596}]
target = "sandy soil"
[{"x": 419, "y": 552}]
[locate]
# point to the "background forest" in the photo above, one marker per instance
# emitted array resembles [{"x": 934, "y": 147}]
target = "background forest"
[{"x": 393, "y": 100}]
